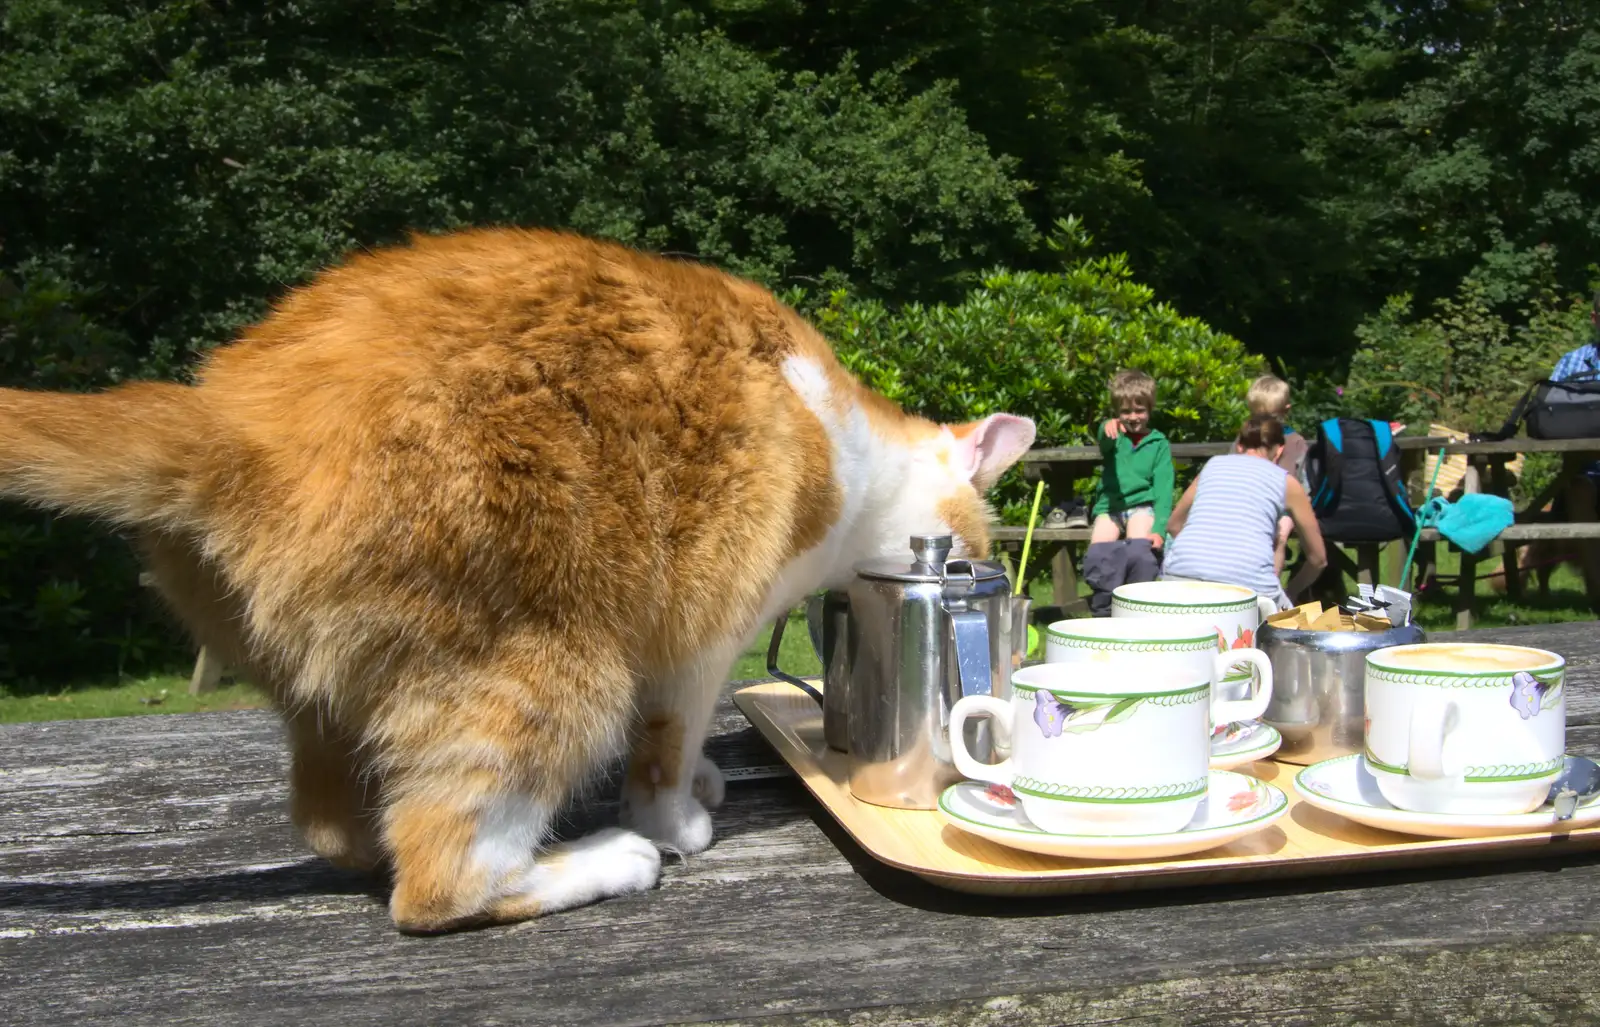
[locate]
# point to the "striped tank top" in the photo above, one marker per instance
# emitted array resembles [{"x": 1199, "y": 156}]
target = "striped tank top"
[{"x": 1232, "y": 525}]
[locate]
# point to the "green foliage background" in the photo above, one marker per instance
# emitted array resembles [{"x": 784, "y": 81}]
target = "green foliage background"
[
  {"x": 1394, "y": 203},
  {"x": 1044, "y": 345}
]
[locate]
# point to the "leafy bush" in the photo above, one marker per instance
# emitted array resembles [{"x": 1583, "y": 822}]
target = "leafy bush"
[
  {"x": 70, "y": 601},
  {"x": 1467, "y": 362},
  {"x": 1044, "y": 345},
  {"x": 72, "y": 606},
  {"x": 168, "y": 167},
  {"x": 47, "y": 343}
]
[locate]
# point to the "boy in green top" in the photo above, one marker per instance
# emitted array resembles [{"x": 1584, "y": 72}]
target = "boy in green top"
[{"x": 1136, "y": 478}]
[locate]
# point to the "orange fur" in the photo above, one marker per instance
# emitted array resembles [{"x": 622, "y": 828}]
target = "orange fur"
[
  {"x": 966, "y": 523},
  {"x": 657, "y": 753},
  {"x": 471, "y": 508}
]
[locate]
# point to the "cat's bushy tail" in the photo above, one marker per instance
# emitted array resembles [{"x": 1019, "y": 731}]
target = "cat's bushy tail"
[{"x": 127, "y": 454}]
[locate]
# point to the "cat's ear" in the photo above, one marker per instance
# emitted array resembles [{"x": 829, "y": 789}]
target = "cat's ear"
[{"x": 984, "y": 449}]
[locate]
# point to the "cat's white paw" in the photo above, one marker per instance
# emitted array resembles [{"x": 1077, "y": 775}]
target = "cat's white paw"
[
  {"x": 598, "y": 866},
  {"x": 673, "y": 821},
  {"x": 622, "y": 861},
  {"x": 708, "y": 786}
]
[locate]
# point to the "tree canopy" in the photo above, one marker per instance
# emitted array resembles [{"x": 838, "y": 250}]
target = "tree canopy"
[
  {"x": 1277, "y": 167},
  {"x": 1394, "y": 202},
  {"x": 178, "y": 164}
]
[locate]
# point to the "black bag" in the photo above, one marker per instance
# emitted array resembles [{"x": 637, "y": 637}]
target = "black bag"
[
  {"x": 1568, "y": 409},
  {"x": 1357, "y": 490}
]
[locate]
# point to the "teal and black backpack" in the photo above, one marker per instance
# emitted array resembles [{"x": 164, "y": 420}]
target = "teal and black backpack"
[{"x": 1357, "y": 490}]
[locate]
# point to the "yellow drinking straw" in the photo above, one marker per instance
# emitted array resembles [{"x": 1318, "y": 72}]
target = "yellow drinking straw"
[{"x": 1027, "y": 540}]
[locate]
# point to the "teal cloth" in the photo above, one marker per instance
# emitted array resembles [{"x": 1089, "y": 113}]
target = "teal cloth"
[{"x": 1470, "y": 523}]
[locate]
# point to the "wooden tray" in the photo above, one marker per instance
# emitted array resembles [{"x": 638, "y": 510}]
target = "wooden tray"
[{"x": 1305, "y": 842}]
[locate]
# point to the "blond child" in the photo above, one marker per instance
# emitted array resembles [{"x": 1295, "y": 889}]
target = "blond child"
[
  {"x": 1137, "y": 476},
  {"x": 1269, "y": 397}
]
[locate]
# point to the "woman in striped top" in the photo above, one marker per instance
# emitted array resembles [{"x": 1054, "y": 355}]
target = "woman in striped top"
[{"x": 1225, "y": 526}]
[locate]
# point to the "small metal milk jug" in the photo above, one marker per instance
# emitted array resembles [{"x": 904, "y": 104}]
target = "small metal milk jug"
[{"x": 828, "y": 618}]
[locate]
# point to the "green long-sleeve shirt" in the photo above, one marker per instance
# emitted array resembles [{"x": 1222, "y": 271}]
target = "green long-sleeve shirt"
[{"x": 1136, "y": 476}]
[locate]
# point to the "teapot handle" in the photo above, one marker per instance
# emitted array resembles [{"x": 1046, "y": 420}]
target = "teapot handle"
[
  {"x": 971, "y": 630},
  {"x": 772, "y": 660}
]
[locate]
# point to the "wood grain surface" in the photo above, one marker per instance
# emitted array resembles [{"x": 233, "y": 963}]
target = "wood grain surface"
[{"x": 148, "y": 874}]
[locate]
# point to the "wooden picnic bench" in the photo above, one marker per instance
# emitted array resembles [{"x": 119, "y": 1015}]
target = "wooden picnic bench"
[
  {"x": 1060, "y": 548},
  {"x": 1062, "y": 468},
  {"x": 148, "y": 874}
]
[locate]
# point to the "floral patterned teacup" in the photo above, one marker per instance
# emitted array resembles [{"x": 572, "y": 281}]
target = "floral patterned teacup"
[
  {"x": 1098, "y": 752},
  {"x": 1160, "y": 644},
  {"x": 1465, "y": 727},
  {"x": 1231, "y": 613}
]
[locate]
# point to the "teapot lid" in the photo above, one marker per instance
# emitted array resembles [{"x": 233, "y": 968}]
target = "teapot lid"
[{"x": 930, "y": 553}]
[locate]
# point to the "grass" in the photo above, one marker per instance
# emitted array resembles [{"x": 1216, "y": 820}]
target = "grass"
[
  {"x": 169, "y": 693},
  {"x": 1567, "y": 601},
  {"x": 158, "y": 693}
]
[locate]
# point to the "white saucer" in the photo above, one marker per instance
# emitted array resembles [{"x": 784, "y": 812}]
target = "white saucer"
[
  {"x": 1241, "y": 742},
  {"x": 1234, "y": 806},
  {"x": 1343, "y": 785}
]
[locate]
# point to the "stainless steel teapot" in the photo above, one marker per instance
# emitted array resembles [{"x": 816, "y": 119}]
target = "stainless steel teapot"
[{"x": 899, "y": 647}]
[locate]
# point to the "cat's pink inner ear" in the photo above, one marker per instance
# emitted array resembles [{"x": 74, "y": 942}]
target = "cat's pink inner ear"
[{"x": 988, "y": 447}]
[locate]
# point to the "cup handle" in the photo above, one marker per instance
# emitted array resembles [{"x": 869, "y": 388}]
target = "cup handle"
[
  {"x": 1225, "y": 712},
  {"x": 1266, "y": 607},
  {"x": 1433, "y": 718},
  {"x": 968, "y": 706}
]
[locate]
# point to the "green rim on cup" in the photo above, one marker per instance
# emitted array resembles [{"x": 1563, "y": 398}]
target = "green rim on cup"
[
  {"x": 1272, "y": 808},
  {"x": 1433, "y": 675},
  {"x": 1109, "y": 795},
  {"x": 1492, "y": 774},
  {"x": 1153, "y": 606},
  {"x": 1198, "y": 643},
  {"x": 1245, "y": 602},
  {"x": 1194, "y": 692}
]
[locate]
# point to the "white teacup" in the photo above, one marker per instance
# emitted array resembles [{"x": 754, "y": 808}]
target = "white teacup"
[
  {"x": 1464, "y": 727},
  {"x": 1095, "y": 751},
  {"x": 1232, "y": 613},
  {"x": 1164, "y": 645}
]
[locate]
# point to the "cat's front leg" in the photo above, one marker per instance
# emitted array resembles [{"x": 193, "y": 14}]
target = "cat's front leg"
[
  {"x": 670, "y": 783},
  {"x": 707, "y": 785}
]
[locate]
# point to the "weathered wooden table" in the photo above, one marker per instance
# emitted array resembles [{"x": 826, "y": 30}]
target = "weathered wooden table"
[{"x": 148, "y": 874}]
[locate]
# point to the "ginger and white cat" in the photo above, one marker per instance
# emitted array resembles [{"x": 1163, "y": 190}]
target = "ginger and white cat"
[{"x": 486, "y": 510}]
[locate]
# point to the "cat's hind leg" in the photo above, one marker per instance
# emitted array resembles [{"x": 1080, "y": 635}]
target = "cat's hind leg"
[
  {"x": 474, "y": 771},
  {"x": 332, "y": 801},
  {"x": 670, "y": 782}
]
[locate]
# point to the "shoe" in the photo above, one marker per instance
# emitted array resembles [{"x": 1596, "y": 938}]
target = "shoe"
[
  {"x": 1055, "y": 518},
  {"x": 1077, "y": 517}
]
